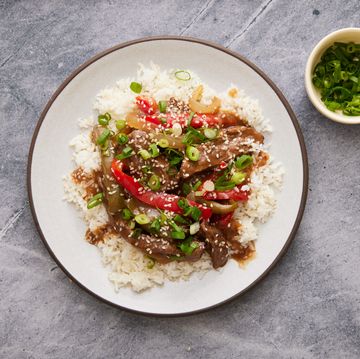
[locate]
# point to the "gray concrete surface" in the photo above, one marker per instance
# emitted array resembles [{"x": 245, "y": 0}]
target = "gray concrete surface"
[{"x": 308, "y": 307}]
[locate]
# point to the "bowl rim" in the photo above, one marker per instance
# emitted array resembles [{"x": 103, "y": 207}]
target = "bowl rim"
[
  {"x": 239, "y": 57},
  {"x": 310, "y": 88}
]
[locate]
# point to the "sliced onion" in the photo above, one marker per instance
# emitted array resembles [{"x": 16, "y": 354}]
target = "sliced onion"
[
  {"x": 194, "y": 228},
  {"x": 196, "y": 106},
  {"x": 134, "y": 121}
]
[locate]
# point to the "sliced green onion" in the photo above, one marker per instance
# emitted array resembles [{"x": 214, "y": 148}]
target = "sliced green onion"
[
  {"x": 183, "y": 75},
  {"x": 243, "y": 162},
  {"x": 337, "y": 77},
  {"x": 183, "y": 203},
  {"x": 192, "y": 153},
  {"x": 103, "y": 120},
  {"x": 196, "y": 185},
  {"x": 178, "y": 235},
  {"x": 210, "y": 133},
  {"x": 127, "y": 152},
  {"x": 126, "y": 214},
  {"x": 144, "y": 154},
  {"x": 95, "y": 201},
  {"x": 136, "y": 233},
  {"x": 132, "y": 224},
  {"x": 122, "y": 138},
  {"x": 155, "y": 225},
  {"x": 154, "y": 151},
  {"x": 135, "y": 87},
  {"x": 162, "y": 106},
  {"x": 195, "y": 213},
  {"x": 163, "y": 143},
  {"x": 154, "y": 183},
  {"x": 186, "y": 188},
  {"x": 238, "y": 177},
  {"x": 224, "y": 186},
  {"x": 180, "y": 219},
  {"x": 188, "y": 246},
  {"x": 142, "y": 219},
  {"x": 146, "y": 169},
  {"x": 103, "y": 137},
  {"x": 191, "y": 116},
  {"x": 120, "y": 124},
  {"x": 151, "y": 263}
]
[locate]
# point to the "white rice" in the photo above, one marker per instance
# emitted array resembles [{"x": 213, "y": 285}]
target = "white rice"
[{"x": 127, "y": 265}]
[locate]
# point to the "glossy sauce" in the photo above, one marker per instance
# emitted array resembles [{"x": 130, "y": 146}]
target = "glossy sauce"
[
  {"x": 89, "y": 181},
  {"x": 98, "y": 235}
]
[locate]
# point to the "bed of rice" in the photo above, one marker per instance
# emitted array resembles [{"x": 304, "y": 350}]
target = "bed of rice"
[{"x": 127, "y": 266}]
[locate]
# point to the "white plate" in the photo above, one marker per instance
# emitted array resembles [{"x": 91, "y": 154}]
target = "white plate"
[{"x": 58, "y": 222}]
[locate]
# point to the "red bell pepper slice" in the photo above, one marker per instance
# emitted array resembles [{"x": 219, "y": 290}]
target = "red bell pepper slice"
[
  {"x": 235, "y": 194},
  {"x": 200, "y": 119},
  {"x": 153, "y": 119},
  {"x": 161, "y": 200},
  {"x": 146, "y": 105}
]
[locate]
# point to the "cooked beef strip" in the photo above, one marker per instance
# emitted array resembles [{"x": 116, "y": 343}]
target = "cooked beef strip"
[
  {"x": 217, "y": 245},
  {"x": 228, "y": 145},
  {"x": 161, "y": 249},
  {"x": 159, "y": 166}
]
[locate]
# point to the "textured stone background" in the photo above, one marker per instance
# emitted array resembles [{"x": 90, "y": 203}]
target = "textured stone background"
[{"x": 308, "y": 307}]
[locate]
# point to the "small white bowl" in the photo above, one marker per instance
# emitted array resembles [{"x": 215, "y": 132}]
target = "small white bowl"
[{"x": 351, "y": 34}]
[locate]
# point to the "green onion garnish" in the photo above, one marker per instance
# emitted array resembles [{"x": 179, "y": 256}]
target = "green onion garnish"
[
  {"x": 238, "y": 177},
  {"x": 192, "y": 153},
  {"x": 126, "y": 214},
  {"x": 154, "y": 151},
  {"x": 210, "y": 133},
  {"x": 243, "y": 162},
  {"x": 162, "y": 106},
  {"x": 103, "y": 120},
  {"x": 178, "y": 235},
  {"x": 103, "y": 137},
  {"x": 144, "y": 154},
  {"x": 186, "y": 188},
  {"x": 154, "y": 183},
  {"x": 151, "y": 263},
  {"x": 122, "y": 138},
  {"x": 191, "y": 116},
  {"x": 337, "y": 76},
  {"x": 135, "y": 87},
  {"x": 155, "y": 225},
  {"x": 180, "y": 219},
  {"x": 120, "y": 124},
  {"x": 163, "y": 143},
  {"x": 196, "y": 185},
  {"x": 95, "y": 201},
  {"x": 183, "y": 75},
  {"x": 193, "y": 135},
  {"x": 136, "y": 233},
  {"x": 195, "y": 213},
  {"x": 127, "y": 152},
  {"x": 188, "y": 246},
  {"x": 142, "y": 219}
]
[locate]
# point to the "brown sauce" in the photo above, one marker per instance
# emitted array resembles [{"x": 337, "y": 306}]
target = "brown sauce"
[
  {"x": 98, "y": 235},
  {"x": 91, "y": 182},
  {"x": 261, "y": 159},
  {"x": 240, "y": 253}
]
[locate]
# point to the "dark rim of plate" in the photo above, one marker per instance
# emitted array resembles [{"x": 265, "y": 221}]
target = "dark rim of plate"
[{"x": 220, "y": 48}]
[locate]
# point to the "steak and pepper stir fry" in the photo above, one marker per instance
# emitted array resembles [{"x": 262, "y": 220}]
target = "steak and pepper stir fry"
[{"x": 172, "y": 176}]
